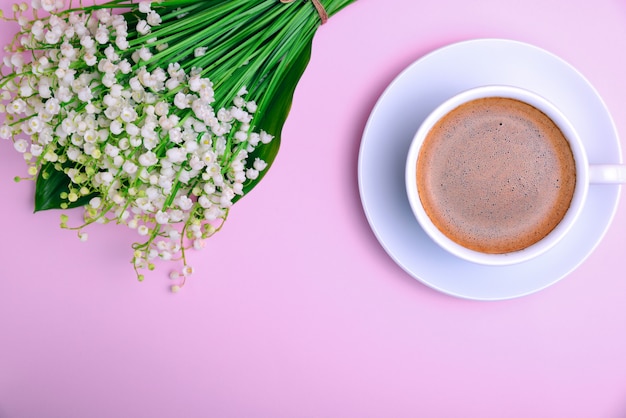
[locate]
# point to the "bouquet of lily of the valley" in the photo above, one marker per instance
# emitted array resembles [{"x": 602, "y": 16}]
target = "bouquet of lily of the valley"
[{"x": 156, "y": 115}]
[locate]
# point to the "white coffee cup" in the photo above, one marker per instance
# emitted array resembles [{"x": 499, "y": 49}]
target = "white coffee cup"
[{"x": 586, "y": 174}]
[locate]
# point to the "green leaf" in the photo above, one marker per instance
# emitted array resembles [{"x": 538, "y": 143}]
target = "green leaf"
[
  {"x": 274, "y": 114},
  {"x": 49, "y": 186}
]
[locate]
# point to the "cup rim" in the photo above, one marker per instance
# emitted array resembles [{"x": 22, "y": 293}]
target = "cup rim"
[{"x": 580, "y": 189}]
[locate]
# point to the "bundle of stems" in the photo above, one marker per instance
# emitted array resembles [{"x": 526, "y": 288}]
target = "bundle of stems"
[{"x": 262, "y": 45}]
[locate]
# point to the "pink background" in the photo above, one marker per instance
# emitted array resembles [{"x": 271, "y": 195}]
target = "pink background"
[{"x": 296, "y": 310}]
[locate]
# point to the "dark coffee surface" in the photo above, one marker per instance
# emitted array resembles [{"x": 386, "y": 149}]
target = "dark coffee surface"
[{"x": 496, "y": 175}]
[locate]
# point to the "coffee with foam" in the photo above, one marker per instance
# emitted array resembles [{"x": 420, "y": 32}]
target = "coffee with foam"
[{"x": 496, "y": 175}]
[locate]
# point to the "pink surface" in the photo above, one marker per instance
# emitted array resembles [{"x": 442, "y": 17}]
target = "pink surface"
[{"x": 295, "y": 309}]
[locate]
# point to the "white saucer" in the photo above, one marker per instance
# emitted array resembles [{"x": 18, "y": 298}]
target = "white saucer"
[{"x": 395, "y": 119}]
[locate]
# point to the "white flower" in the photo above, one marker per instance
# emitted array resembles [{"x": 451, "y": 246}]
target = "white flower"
[
  {"x": 52, "y": 106},
  {"x": 181, "y": 101},
  {"x": 196, "y": 163},
  {"x": 121, "y": 42},
  {"x": 115, "y": 92},
  {"x": 161, "y": 108},
  {"x": 67, "y": 78},
  {"x": 67, "y": 50},
  {"x": 240, "y": 176},
  {"x": 109, "y": 79},
  {"x": 123, "y": 144},
  {"x": 105, "y": 177},
  {"x": 176, "y": 155},
  {"x": 200, "y": 51},
  {"x": 139, "y": 96},
  {"x": 90, "y": 59},
  {"x": 251, "y": 106},
  {"x": 145, "y": 54},
  {"x": 187, "y": 271},
  {"x": 110, "y": 53},
  {"x": 166, "y": 183},
  {"x": 239, "y": 102},
  {"x": 63, "y": 94},
  {"x": 104, "y": 16},
  {"x": 259, "y": 164},
  {"x": 175, "y": 135},
  {"x": 204, "y": 201},
  {"x": 254, "y": 139},
  {"x": 172, "y": 83},
  {"x": 36, "y": 150},
  {"x": 132, "y": 129},
  {"x": 37, "y": 28},
  {"x": 129, "y": 167},
  {"x": 118, "y": 161},
  {"x": 17, "y": 60},
  {"x": 110, "y": 100},
  {"x": 17, "y": 106},
  {"x": 5, "y": 131},
  {"x": 252, "y": 174},
  {"x": 111, "y": 150},
  {"x": 124, "y": 66},
  {"x": 266, "y": 138},
  {"x": 128, "y": 114},
  {"x": 150, "y": 142},
  {"x": 224, "y": 115},
  {"x": 90, "y": 136},
  {"x": 196, "y": 83},
  {"x": 153, "y": 18},
  {"x": 51, "y": 157},
  {"x": 26, "y": 90},
  {"x": 87, "y": 42},
  {"x": 161, "y": 217},
  {"x": 64, "y": 64},
  {"x": 212, "y": 213},
  {"x": 135, "y": 141},
  {"x": 144, "y": 78},
  {"x": 85, "y": 94},
  {"x": 185, "y": 203},
  {"x": 116, "y": 127},
  {"x": 142, "y": 27},
  {"x": 35, "y": 124},
  {"x": 148, "y": 159},
  {"x": 209, "y": 188},
  {"x": 167, "y": 123},
  {"x": 152, "y": 193},
  {"x": 95, "y": 202},
  {"x": 48, "y": 5},
  {"x": 177, "y": 216},
  {"x": 102, "y": 35},
  {"x": 241, "y": 136},
  {"x": 106, "y": 66},
  {"x": 25, "y": 127},
  {"x": 21, "y": 145},
  {"x": 91, "y": 108},
  {"x": 112, "y": 112},
  {"x": 145, "y": 6}
]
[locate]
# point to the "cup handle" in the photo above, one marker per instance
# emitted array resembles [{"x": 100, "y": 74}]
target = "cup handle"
[{"x": 607, "y": 173}]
